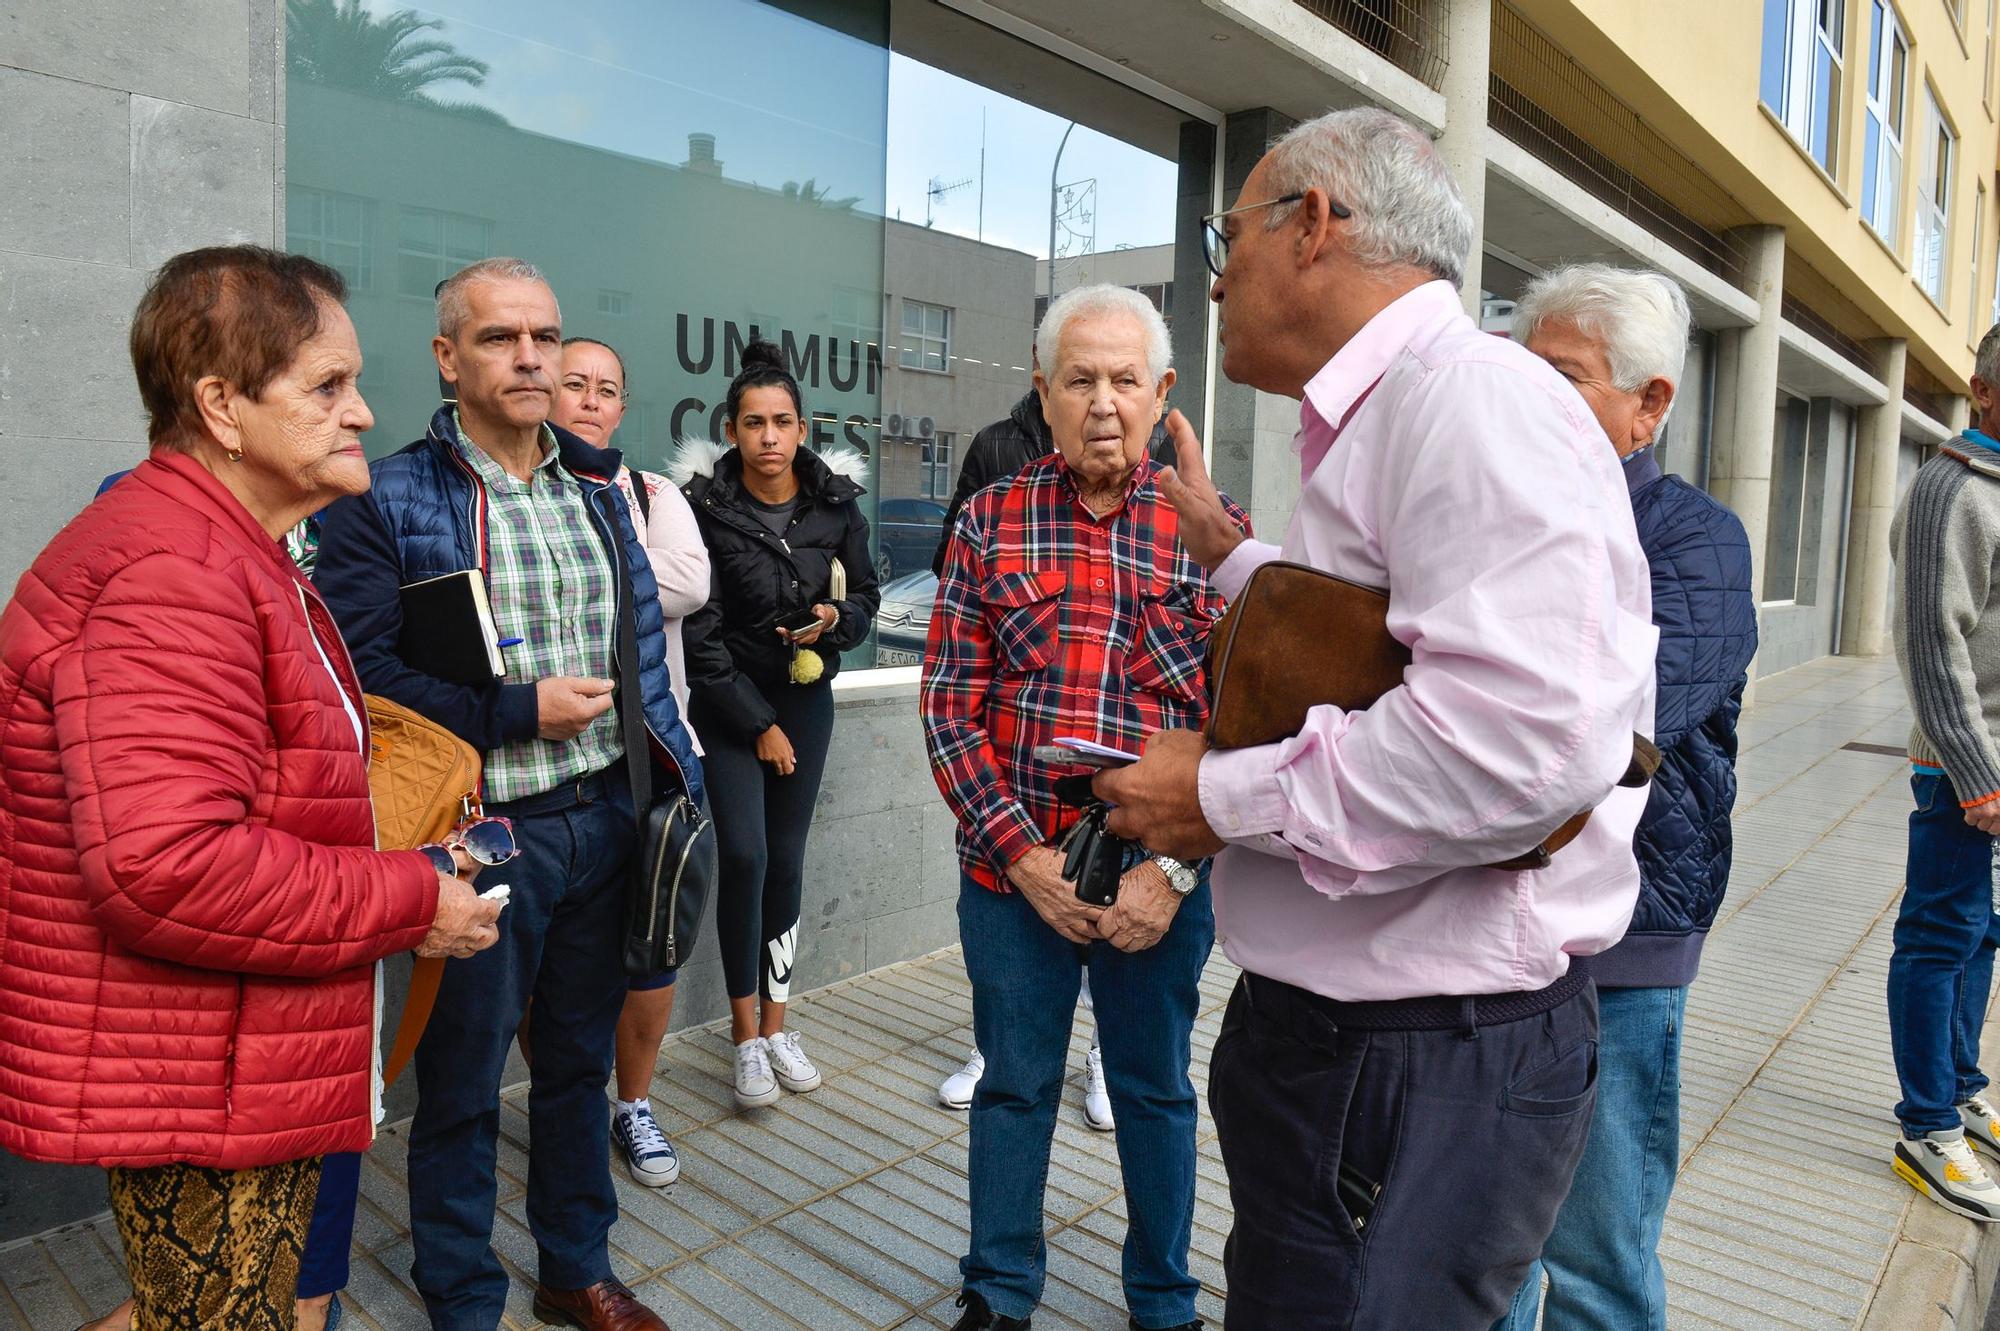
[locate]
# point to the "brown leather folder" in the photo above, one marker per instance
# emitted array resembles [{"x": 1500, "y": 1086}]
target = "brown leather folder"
[{"x": 1297, "y": 639}]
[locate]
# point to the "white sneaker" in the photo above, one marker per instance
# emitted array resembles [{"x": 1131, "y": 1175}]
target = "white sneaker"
[
  {"x": 1945, "y": 1170},
  {"x": 754, "y": 1083},
  {"x": 1096, "y": 1098},
  {"x": 649, "y": 1156},
  {"x": 1982, "y": 1123},
  {"x": 795, "y": 1071},
  {"x": 955, "y": 1091}
]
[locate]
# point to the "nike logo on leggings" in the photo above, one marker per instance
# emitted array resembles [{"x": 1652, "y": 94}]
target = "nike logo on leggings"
[{"x": 783, "y": 948}]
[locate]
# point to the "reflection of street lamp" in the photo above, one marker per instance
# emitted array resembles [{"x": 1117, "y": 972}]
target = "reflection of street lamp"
[{"x": 1053, "y": 170}]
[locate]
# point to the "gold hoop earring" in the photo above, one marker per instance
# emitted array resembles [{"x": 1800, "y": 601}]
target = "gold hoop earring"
[{"x": 233, "y": 454}]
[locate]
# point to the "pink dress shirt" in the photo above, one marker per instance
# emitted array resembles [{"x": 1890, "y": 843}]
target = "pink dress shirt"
[{"x": 1461, "y": 473}]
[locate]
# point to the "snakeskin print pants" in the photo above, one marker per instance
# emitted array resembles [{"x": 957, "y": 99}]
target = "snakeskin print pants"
[{"x": 214, "y": 1249}]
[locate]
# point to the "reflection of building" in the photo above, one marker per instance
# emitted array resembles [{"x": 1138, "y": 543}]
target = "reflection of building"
[{"x": 957, "y": 353}]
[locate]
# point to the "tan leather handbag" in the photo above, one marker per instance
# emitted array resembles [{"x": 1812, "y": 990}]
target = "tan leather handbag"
[
  {"x": 424, "y": 781},
  {"x": 1296, "y": 639}
]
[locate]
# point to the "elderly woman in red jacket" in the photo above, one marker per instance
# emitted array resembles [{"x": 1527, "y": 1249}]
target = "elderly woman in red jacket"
[{"x": 191, "y": 900}]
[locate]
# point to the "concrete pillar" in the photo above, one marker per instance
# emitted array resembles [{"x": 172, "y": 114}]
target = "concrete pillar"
[
  {"x": 1463, "y": 142},
  {"x": 1739, "y": 471},
  {"x": 1878, "y": 438},
  {"x": 1959, "y": 414}
]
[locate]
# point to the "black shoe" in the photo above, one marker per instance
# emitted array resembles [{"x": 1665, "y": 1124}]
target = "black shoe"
[
  {"x": 1195, "y": 1325},
  {"x": 979, "y": 1317}
]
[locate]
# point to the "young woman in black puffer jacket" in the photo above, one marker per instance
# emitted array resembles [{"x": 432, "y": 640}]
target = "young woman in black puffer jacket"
[{"x": 784, "y": 528}]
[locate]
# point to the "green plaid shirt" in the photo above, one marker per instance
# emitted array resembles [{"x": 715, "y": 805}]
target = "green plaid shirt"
[{"x": 551, "y": 584}]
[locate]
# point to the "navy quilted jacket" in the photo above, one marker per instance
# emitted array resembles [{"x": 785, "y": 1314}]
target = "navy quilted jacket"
[
  {"x": 1707, "y": 617},
  {"x": 419, "y": 521}
]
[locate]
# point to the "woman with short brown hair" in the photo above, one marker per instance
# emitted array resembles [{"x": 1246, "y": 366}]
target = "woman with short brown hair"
[{"x": 191, "y": 901}]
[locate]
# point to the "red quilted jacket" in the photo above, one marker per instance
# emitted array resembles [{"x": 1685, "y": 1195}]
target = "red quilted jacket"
[{"x": 190, "y": 898}]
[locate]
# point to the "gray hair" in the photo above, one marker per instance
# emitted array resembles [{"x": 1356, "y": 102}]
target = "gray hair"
[
  {"x": 1986, "y": 362},
  {"x": 1407, "y": 209},
  {"x": 1641, "y": 318},
  {"x": 1096, "y": 301},
  {"x": 452, "y": 305}
]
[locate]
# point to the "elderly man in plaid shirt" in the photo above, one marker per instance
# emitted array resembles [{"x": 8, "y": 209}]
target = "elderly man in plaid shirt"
[{"x": 1068, "y": 608}]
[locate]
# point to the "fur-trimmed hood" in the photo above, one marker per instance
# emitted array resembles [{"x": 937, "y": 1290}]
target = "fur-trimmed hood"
[{"x": 692, "y": 457}]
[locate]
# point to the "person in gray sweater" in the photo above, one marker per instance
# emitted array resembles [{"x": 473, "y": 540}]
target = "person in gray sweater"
[{"x": 1946, "y": 538}]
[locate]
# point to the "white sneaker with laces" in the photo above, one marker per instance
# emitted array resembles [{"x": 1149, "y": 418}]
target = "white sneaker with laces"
[
  {"x": 1945, "y": 1170},
  {"x": 1096, "y": 1097},
  {"x": 755, "y": 1084},
  {"x": 1982, "y": 1122},
  {"x": 955, "y": 1091},
  {"x": 796, "y": 1072},
  {"x": 649, "y": 1156}
]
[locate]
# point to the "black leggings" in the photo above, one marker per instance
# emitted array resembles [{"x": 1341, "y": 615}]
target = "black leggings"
[{"x": 761, "y": 821}]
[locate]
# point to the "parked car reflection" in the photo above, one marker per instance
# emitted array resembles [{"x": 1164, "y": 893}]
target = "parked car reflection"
[
  {"x": 906, "y": 532},
  {"x": 905, "y": 618}
]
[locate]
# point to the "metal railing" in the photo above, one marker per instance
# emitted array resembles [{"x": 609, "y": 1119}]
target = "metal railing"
[
  {"x": 1926, "y": 392},
  {"x": 1543, "y": 100},
  {"x": 1811, "y": 320},
  {"x": 1409, "y": 34}
]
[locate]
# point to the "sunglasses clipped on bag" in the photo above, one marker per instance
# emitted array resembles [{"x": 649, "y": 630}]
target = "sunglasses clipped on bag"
[{"x": 487, "y": 841}]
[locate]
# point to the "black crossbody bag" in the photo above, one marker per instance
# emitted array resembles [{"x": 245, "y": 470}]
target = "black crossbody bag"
[{"x": 674, "y": 869}]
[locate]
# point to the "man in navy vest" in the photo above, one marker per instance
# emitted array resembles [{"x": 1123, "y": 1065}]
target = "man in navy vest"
[
  {"x": 1620, "y": 337},
  {"x": 494, "y": 487}
]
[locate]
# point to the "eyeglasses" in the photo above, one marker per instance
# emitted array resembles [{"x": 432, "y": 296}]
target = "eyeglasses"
[
  {"x": 487, "y": 841},
  {"x": 1215, "y": 243}
]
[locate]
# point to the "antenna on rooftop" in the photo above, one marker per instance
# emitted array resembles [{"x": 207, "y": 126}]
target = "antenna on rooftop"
[{"x": 939, "y": 189}]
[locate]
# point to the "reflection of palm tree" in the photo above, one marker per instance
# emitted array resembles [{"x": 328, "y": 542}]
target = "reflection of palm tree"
[
  {"x": 819, "y": 198},
  {"x": 341, "y": 44}
]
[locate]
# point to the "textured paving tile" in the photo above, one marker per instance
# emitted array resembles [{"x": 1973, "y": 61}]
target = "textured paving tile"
[{"x": 846, "y": 1208}]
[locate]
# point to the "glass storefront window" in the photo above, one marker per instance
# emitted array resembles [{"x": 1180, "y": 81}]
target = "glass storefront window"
[{"x": 681, "y": 209}]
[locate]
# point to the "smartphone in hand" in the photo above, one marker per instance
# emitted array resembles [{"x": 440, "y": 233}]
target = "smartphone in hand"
[{"x": 801, "y": 621}]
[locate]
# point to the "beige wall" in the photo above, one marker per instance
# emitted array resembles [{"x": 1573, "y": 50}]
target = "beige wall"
[{"x": 1691, "y": 68}]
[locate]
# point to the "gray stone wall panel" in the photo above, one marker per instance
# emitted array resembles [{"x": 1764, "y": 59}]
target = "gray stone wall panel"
[
  {"x": 53, "y": 480},
  {"x": 64, "y": 158},
  {"x": 193, "y": 51},
  {"x": 198, "y": 178},
  {"x": 64, "y": 368}
]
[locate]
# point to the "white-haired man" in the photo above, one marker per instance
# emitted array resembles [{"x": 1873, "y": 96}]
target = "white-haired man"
[
  {"x": 1404, "y": 1077},
  {"x": 1068, "y": 607},
  {"x": 1620, "y": 337}
]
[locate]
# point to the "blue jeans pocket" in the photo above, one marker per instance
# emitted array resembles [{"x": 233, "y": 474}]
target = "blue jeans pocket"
[
  {"x": 1925, "y": 789},
  {"x": 1556, "y": 1087}
]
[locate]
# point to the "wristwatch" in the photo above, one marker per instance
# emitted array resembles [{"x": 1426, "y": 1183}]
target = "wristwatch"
[{"x": 1179, "y": 877}]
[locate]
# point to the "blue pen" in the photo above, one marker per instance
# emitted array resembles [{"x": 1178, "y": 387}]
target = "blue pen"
[{"x": 511, "y": 642}]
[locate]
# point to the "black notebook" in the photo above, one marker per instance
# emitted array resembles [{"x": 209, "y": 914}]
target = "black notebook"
[{"x": 448, "y": 629}]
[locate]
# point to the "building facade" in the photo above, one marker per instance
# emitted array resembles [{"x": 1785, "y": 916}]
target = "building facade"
[{"x": 895, "y": 196}]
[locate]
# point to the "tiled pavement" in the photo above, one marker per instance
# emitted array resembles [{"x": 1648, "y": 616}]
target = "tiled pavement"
[{"x": 846, "y": 1208}]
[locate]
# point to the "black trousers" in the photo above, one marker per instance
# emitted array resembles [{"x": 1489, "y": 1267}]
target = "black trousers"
[
  {"x": 761, "y": 822},
  {"x": 1471, "y": 1134}
]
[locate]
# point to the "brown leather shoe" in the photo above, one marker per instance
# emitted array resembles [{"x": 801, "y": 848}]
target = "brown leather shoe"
[{"x": 605, "y": 1306}]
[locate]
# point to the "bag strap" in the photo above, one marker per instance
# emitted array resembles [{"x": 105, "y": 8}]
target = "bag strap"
[
  {"x": 639, "y": 495},
  {"x": 425, "y": 977},
  {"x": 631, "y": 698}
]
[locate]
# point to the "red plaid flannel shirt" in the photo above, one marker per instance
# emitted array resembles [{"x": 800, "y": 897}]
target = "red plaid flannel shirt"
[{"x": 1051, "y": 623}]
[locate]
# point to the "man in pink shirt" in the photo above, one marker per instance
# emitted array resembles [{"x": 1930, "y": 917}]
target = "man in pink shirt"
[{"x": 1404, "y": 1079}]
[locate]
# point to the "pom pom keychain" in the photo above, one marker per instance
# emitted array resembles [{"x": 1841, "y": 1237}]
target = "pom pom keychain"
[{"x": 807, "y": 666}]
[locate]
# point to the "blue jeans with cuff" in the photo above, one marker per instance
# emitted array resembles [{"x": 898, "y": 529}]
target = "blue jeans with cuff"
[
  {"x": 1024, "y": 989},
  {"x": 1941, "y": 972},
  {"x": 1603, "y": 1257}
]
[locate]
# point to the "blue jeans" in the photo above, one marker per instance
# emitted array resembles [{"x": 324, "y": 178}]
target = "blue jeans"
[
  {"x": 1024, "y": 986},
  {"x": 1603, "y": 1257},
  {"x": 1941, "y": 972},
  {"x": 560, "y": 944}
]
